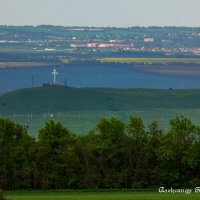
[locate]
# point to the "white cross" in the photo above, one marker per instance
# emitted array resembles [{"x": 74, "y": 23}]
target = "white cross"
[{"x": 55, "y": 73}]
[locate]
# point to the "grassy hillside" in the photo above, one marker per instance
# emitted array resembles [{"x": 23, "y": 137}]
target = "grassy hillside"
[
  {"x": 81, "y": 109},
  {"x": 62, "y": 99}
]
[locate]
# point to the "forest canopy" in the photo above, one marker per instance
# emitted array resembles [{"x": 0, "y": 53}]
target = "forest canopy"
[{"x": 113, "y": 155}]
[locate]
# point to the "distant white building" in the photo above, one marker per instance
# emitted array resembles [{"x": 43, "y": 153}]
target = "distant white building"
[{"x": 148, "y": 39}]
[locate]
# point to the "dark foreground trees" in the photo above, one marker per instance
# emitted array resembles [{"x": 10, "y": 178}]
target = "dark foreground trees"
[
  {"x": 114, "y": 155},
  {"x": 15, "y": 155}
]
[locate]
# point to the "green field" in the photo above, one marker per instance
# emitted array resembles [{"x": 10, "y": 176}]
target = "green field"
[
  {"x": 150, "y": 60},
  {"x": 22, "y": 64},
  {"x": 137, "y": 60},
  {"x": 65, "y": 99},
  {"x": 81, "y": 109},
  {"x": 103, "y": 195},
  {"x": 83, "y": 121}
]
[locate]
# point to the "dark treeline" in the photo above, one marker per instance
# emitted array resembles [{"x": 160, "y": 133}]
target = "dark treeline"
[{"x": 114, "y": 155}]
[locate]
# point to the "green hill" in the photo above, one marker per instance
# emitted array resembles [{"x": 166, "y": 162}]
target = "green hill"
[{"x": 63, "y": 99}]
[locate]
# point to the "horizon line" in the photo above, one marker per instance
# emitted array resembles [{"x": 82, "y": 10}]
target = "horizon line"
[{"x": 92, "y": 26}]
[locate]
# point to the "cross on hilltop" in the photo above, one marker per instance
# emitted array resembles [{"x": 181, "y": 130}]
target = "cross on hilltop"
[{"x": 55, "y": 73}]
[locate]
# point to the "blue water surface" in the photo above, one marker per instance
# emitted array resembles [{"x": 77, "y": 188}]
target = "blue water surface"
[{"x": 83, "y": 75}]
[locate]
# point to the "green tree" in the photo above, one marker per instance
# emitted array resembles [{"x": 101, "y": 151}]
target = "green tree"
[
  {"x": 174, "y": 152},
  {"x": 154, "y": 139},
  {"x": 87, "y": 167},
  {"x": 137, "y": 152},
  {"x": 111, "y": 152},
  {"x": 15, "y": 167},
  {"x": 194, "y": 159},
  {"x": 54, "y": 145}
]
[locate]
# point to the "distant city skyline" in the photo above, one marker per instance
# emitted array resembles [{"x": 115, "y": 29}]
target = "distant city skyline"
[{"x": 101, "y": 13}]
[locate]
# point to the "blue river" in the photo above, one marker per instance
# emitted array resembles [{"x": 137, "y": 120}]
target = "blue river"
[{"x": 83, "y": 75}]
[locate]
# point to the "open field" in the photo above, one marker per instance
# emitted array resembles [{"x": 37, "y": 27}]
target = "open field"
[
  {"x": 118, "y": 195},
  {"x": 151, "y": 60},
  {"x": 65, "y": 99},
  {"x": 83, "y": 121},
  {"x": 147, "y": 61},
  {"x": 33, "y": 106},
  {"x": 22, "y": 64}
]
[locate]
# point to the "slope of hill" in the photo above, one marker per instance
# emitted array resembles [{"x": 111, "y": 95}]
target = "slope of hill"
[{"x": 61, "y": 99}]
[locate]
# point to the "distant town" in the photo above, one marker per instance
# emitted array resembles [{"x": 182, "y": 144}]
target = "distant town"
[{"x": 158, "y": 41}]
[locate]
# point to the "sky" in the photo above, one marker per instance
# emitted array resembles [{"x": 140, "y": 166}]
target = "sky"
[{"x": 101, "y": 13}]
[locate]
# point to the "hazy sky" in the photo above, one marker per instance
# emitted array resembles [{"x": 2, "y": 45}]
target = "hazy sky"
[{"x": 120, "y": 13}]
